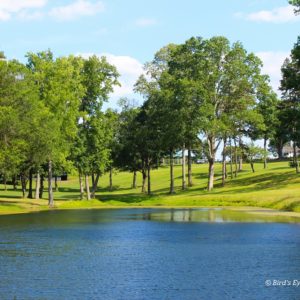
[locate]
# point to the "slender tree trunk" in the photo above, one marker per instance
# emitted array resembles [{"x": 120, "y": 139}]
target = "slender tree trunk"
[
  {"x": 81, "y": 186},
  {"x": 252, "y": 166},
  {"x": 265, "y": 152},
  {"x": 231, "y": 168},
  {"x": 42, "y": 186},
  {"x": 50, "y": 189},
  {"x": 4, "y": 182},
  {"x": 37, "y": 185},
  {"x": 23, "y": 184},
  {"x": 144, "y": 175},
  {"x": 295, "y": 157},
  {"x": 134, "y": 180},
  {"x": 95, "y": 185},
  {"x": 211, "y": 162},
  {"x": 172, "y": 191},
  {"x": 183, "y": 168},
  {"x": 240, "y": 163},
  {"x": 241, "y": 156},
  {"x": 279, "y": 147},
  {"x": 235, "y": 158},
  {"x": 93, "y": 180},
  {"x": 14, "y": 182},
  {"x": 30, "y": 194},
  {"x": 224, "y": 162},
  {"x": 110, "y": 178},
  {"x": 211, "y": 174},
  {"x": 190, "y": 175},
  {"x": 87, "y": 187},
  {"x": 149, "y": 178},
  {"x": 55, "y": 184}
]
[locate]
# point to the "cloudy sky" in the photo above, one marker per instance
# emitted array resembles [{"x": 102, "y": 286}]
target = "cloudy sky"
[{"x": 130, "y": 32}]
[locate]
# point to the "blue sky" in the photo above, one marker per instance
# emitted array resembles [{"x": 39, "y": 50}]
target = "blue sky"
[{"x": 129, "y": 32}]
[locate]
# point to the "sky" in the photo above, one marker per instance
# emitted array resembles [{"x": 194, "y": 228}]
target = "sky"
[{"x": 129, "y": 32}]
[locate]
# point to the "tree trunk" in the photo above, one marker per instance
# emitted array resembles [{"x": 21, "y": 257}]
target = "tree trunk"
[
  {"x": 171, "y": 173},
  {"x": 87, "y": 187},
  {"x": 4, "y": 182},
  {"x": 37, "y": 185},
  {"x": 30, "y": 194},
  {"x": 224, "y": 162},
  {"x": 190, "y": 175},
  {"x": 95, "y": 185},
  {"x": 265, "y": 152},
  {"x": 110, "y": 179},
  {"x": 252, "y": 166},
  {"x": 50, "y": 189},
  {"x": 14, "y": 182},
  {"x": 211, "y": 173},
  {"x": 211, "y": 161},
  {"x": 149, "y": 179},
  {"x": 295, "y": 157},
  {"x": 134, "y": 180},
  {"x": 279, "y": 147},
  {"x": 42, "y": 186},
  {"x": 93, "y": 179},
  {"x": 235, "y": 159},
  {"x": 55, "y": 184},
  {"x": 23, "y": 184},
  {"x": 183, "y": 167},
  {"x": 81, "y": 185},
  {"x": 144, "y": 175},
  {"x": 241, "y": 156},
  {"x": 231, "y": 168},
  {"x": 240, "y": 163}
]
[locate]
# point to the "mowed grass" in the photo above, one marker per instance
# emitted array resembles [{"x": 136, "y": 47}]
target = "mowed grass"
[{"x": 277, "y": 187}]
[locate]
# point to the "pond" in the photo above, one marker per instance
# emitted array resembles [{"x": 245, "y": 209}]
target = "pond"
[{"x": 149, "y": 254}]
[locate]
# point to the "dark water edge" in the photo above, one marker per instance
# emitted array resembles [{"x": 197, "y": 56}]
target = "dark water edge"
[{"x": 149, "y": 254}]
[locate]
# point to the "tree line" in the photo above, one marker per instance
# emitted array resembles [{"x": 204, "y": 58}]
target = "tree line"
[{"x": 199, "y": 96}]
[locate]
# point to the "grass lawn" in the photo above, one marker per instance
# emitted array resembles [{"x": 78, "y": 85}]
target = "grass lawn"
[{"x": 278, "y": 187}]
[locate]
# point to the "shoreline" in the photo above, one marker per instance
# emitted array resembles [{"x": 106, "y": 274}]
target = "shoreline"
[{"x": 249, "y": 209}]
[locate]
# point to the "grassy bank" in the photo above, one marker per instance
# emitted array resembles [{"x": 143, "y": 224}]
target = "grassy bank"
[{"x": 278, "y": 187}]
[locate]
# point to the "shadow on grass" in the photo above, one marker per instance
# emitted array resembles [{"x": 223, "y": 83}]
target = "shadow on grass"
[
  {"x": 257, "y": 183},
  {"x": 127, "y": 198}
]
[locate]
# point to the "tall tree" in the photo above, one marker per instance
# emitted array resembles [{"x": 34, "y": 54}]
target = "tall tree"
[
  {"x": 290, "y": 86},
  {"x": 223, "y": 80},
  {"x": 60, "y": 88}
]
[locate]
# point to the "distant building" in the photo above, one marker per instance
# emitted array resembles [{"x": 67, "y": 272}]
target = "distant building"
[{"x": 288, "y": 150}]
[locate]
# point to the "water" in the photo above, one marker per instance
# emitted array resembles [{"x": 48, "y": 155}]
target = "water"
[{"x": 149, "y": 254}]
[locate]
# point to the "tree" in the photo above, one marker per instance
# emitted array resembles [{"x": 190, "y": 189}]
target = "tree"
[
  {"x": 290, "y": 86},
  {"x": 253, "y": 152},
  {"x": 60, "y": 89},
  {"x": 222, "y": 80},
  {"x": 126, "y": 156},
  {"x": 92, "y": 153},
  {"x": 166, "y": 105},
  {"x": 267, "y": 107}
]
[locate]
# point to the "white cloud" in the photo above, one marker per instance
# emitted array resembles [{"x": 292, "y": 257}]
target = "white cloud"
[
  {"x": 277, "y": 15},
  {"x": 130, "y": 69},
  {"x": 145, "y": 22},
  {"x": 9, "y": 8},
  {"x": 272, "y": 65},
  {"x": 28, "y": 16},
  {"x": 76, "y": 10}
]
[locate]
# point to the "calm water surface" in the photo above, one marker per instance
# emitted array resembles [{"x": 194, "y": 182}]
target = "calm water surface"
[{"x": 148, "y": 254}]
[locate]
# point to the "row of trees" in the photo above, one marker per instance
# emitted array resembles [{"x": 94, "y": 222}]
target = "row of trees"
[
  {"x": 203, "y": 94},
  {"x": 51, "y": 116}
]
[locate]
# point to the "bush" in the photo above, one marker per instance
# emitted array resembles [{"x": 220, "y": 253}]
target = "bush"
[{"x": 292, "y": 164}]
